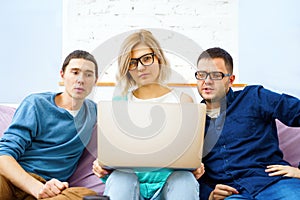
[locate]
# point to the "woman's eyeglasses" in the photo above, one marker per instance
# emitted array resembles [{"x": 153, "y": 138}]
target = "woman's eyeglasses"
[{"x": 145, "y": 60}]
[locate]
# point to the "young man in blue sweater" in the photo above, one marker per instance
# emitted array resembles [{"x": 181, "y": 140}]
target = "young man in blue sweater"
[
  {"x": 40, "y": 149},
  {"x": 241, "y": 142}
]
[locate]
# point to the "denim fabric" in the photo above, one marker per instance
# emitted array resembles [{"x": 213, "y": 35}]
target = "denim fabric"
[
  {"x": 284, "y": 189},
  {"x": 243, "y": 140},
  {"x": 124, "y": 185}
]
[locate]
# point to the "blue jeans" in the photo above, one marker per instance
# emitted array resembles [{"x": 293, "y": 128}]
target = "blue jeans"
[
  {"x": 284, "y": 189},
  {"x": 125, "y": 185}
]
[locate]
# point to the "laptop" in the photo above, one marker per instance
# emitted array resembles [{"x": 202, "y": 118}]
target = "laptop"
[{"x": 156, "y": 135}]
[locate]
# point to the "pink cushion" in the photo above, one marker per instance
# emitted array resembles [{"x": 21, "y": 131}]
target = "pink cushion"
[
  {"x": 289, "y": 140},
  {"x": 83, "y": 176},
  {"x": 6, "y": 115}
]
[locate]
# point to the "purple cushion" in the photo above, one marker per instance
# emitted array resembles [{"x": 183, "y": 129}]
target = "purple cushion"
[
  {"x": 289, "y": 140},
  {"x": 84, "y": 176},
  {"x": 6, "y": 115}
]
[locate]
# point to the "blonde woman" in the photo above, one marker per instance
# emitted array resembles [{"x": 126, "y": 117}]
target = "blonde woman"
[{"x": 143, "y": 70}]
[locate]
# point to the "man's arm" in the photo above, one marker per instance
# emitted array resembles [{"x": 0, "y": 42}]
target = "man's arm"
[{"x": 10, "y": 169}]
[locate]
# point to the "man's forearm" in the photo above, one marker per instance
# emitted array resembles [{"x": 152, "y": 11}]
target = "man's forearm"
[{"x": 11, "y": 170}]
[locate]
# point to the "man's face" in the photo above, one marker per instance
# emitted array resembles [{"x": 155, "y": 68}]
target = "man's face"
[
  {"x": 212, "y": 91},
  {"x": 79, "y": 78}
]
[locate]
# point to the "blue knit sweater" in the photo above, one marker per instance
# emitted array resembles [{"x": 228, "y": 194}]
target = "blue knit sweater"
[{"x": 48, "y": 140}]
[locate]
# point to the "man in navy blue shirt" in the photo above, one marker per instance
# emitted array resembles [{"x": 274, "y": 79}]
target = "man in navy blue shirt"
[{"x": 241, "y": 137}]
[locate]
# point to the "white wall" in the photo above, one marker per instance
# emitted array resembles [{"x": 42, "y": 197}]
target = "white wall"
[
  {"x": 269, "y": 44},
  {"x": 262, "y": 36},
  {"x": 87, "y": 24},
  {"x": 183, "y": 27},
  {"x": 31, "y": 46}
]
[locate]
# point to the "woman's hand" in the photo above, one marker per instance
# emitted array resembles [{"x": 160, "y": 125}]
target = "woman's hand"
[
  {"x": 199, "y": 171},
  {"x": 99, "y": 171},
  {"x": 283, "y": 170}
]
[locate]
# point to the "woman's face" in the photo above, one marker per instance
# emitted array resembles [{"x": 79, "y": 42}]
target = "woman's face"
[{"x": 148, "y": 72}]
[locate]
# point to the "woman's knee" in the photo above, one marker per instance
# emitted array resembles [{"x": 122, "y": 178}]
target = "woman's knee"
[
  {"x": 183, "y": 178},
  {"x": 122, "y": 177},
  {"x": 122, "y": 185},
  {"x": 181, "y": 185}
]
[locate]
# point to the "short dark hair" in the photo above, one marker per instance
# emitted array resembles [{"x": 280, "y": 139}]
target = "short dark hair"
[
  {"x": 80, "y": 54},
  {"x": 217, "y": 52}
]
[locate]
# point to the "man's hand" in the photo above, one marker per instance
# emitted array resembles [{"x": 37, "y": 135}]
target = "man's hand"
[
  {"x": 199, "y": 171},
  {"x": 221, "y": 192},
  {"x": 52, "y": 188},
  {"x": 99, "y": 171},
  {"x": 283, "y": 170}
]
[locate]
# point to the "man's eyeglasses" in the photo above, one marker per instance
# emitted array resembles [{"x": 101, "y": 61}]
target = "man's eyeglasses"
[
  {"x": 202, "y": 75},
  {"x": 145, "y": 60}
]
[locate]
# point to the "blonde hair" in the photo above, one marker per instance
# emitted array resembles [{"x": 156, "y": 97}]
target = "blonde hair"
[{"x": 141, "y": 37}]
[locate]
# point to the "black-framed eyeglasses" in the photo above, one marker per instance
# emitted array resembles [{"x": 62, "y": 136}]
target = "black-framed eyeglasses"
[
  {"x": 145, "y": 60},
  {"x": 202, "y": 75}
]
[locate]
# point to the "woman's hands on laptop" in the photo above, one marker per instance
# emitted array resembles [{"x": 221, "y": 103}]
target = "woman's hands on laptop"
[
  {"x": 199, "y": 171},
  {"x": 99, "y": 171}
]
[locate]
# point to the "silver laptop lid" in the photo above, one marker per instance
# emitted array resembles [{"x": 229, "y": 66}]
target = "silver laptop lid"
[{"x": 139, "y": 134}]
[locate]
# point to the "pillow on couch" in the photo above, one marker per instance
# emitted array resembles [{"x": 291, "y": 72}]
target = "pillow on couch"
[
  {"x": 289, "y": 140},
  {"x": 83, "y": 176},
  {"x": 6, "y": 115}
]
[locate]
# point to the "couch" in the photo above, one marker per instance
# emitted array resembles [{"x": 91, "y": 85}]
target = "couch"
[
  {"x": 83, "y": 175},
  {"x": 289, "y": 140}
]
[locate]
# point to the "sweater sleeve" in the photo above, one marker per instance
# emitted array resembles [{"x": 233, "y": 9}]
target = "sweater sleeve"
[{"x": 19, "y": 134}]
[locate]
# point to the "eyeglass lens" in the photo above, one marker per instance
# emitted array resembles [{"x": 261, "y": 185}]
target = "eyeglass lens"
[
  {"x": 212, "y": 75},
  {"x": 145, "y": 60}
]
